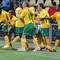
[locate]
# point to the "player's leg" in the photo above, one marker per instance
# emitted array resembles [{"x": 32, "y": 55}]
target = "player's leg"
[
  {"x": 42, "y": 43},
  {"x": 57, "y": 41},
  {"x": 7, "y": 42},
  {"x": 5, "y": 30},
  {"x": 23, "y": 43},
  {"x": 14, "y": 41},
  {"x": 45, "y": 33},
  {"x": 18, "y": 33},
  {"x": 23, "y": 38},
  {"x": 28, "y": 30},
  {"x": 35, "y": 41},
  {"x": 56, "y": 45},
  {"x": 48, "y": 44},
  {"x": 27, "y": 44},
  {"x": 40, "y": 39}
]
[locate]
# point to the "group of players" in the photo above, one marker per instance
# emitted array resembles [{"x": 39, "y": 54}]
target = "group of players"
[{"x": 23, "y": 25}]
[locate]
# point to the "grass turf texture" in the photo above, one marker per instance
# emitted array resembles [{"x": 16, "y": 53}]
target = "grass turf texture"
[{"x": 9, "y": 54}]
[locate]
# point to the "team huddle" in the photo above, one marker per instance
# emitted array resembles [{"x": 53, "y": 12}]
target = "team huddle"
[{"x": 23, "y": 25}]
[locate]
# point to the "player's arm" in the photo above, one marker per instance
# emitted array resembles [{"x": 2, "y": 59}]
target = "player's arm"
[
  {"x": 49, "y": 18},
  {"x": 4, "y": 20},
  {"x": 39, "y": 18},
  {"x": 45, "y": 18},
  {"x": 18, "y": 16},
  {"x": 31, "y": 12},
  {"x": 21, "y": 16}
]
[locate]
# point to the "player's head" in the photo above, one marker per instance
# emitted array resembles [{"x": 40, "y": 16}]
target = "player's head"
[
  {"x": 40, "y": 6},
  {"x": 11, "y": 13},
  {"x": 58, "y": 8},
  {"x": 25, "y": 4},
  {"x": 15, "y": 6}
]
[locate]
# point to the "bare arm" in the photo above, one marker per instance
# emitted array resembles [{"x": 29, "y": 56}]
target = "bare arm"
[
  {"x": 36, "y": 18},
  {"x": 30, "y": 11}
]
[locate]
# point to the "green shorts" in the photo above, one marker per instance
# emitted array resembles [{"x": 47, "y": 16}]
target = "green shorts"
[
  {"x": 29, "y": 30},
  {"x": 4, "y": 28},
  {"x": 44, "y": 31},
  {"x": 0, "y": 26},
  {"x": 19, "y": 30},
  {"x": 58, "y": 32}
]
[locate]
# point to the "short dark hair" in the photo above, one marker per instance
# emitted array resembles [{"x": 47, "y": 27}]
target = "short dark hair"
[
  {"x": 27, "y": 4},
  {"x": 41, "y": 5},
  {"x": 11, "y": 11}
]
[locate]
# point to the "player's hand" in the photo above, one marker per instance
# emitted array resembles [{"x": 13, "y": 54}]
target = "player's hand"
[
  {"x": 26, "y": 7},
  {"x": 9, "y": 24},
  {"x": 49, "y": 18}
]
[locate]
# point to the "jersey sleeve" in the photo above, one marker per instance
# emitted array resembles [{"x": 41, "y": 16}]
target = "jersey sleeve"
[
  {"x": 54, "y": 15},
  {"x": 22, "y": 15}
]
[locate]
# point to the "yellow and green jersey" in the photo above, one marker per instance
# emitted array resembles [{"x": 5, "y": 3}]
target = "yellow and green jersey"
[
  {"x": 57, "y": 16},
  {"x": 13, "y": 20},
  {"x": 3, "y": 16},
  {"x": 43, "y": 23},
  {"x": 19, "y": 10},
  {"x": 19, "y": 23},
  {"x": 26, "y": 16},
  {"x": 33, "y": 16}
]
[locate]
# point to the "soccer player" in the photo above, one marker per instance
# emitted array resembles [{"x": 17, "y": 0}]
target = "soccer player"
[
  {"x": 28, "y": 28},
  {"x": 19, "y": 26},
  {"x": 3, "y": 15},
  {"x": 10, "y": 28},
  {"x": 57, "y": 16},
  {"x": 39, "y": 36},
  {"x": 44, "y": 25}
]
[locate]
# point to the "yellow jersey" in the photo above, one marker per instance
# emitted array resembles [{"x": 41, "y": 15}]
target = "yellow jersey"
[
  {"x": 26, "y": 16},
  {"x": 57, "y": 16},
  {"x": 13, "y": 20},
  {"x": 33, "y": 16},
  {"x": 43, "y": 23},
  {"x": 19, "y": 23},
  {"x": 19, "y": 10},
  {"x": 3, "y": 17}
]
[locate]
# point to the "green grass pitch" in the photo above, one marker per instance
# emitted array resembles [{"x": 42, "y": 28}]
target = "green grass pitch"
[{"x": 9, "y": 54}]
